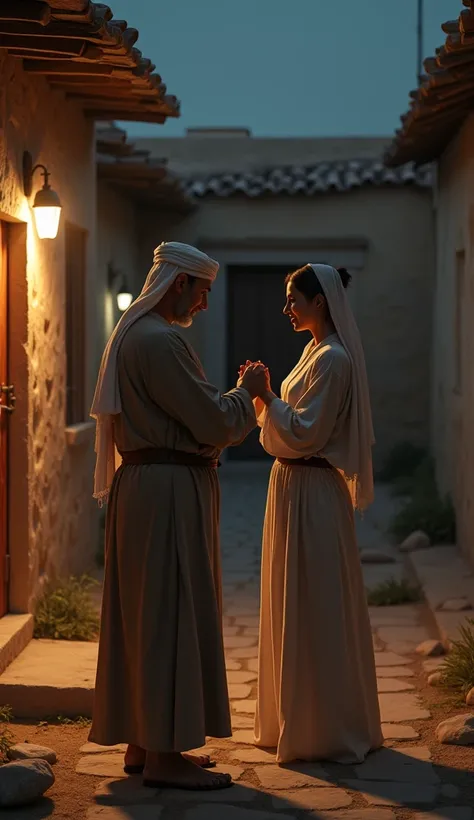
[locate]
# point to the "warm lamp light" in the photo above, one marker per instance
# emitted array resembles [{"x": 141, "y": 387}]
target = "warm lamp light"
[
  {"x": 124, "y": 299},
  {"x": 118, "y": 284},
  {"x": 46, "y": 205}
]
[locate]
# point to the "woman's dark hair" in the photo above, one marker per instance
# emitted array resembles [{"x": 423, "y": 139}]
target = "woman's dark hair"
[{"x": 306, "y": 281}]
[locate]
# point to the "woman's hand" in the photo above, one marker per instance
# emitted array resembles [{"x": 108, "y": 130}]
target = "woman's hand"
[{"x": 254, "y": 379}]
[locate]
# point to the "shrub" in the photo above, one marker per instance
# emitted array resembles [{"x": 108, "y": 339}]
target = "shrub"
[
  {"x": 393, "y": 592},
  {"x": 457, "y": 669},
  {"x": 66, "y": 612},
  {"x": 426, "y": 510},
  {"x": 6, "y": 736},
  {"x": 402, "y": 461}
]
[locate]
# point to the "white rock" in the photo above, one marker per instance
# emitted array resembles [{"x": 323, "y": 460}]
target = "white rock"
[
  {"x": 470, "y": 697},
  {"x": 30, "y": 751},
  {"x": 455, "y": 605},
  {"x": 435, "y": 678},
  {"x": 457, "y": 731},
  {"x": 431, "y": 649},
  {"x": 24, "y": 781},
  {"x": 417, "y": 540},
  {"x": 374, "y": 556}
]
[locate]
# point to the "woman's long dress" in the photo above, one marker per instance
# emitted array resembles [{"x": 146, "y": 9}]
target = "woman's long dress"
[{"x": 317, "y": 690}]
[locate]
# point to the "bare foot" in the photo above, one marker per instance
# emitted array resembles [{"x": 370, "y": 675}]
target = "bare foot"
[
  {"x": 135, "y": 758},
  {"x": 198, "y": 760},
  {"x": 176, "y": 771}
]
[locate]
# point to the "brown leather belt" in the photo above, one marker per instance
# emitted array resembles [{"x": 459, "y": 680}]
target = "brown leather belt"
[
  {"x": 163, "y": 455},
  {"x": 315, "y": 461}
]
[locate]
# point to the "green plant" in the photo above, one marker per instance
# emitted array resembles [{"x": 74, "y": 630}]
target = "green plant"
[
  {"x": 402, "y": 461},
  {"x": 66, "y": 612},
  {"x": 393, "y": 592},
  {"x": 457, "y": 669},
  {"x": 6, "y": 735},
  {"x": 425, "y": 510}
]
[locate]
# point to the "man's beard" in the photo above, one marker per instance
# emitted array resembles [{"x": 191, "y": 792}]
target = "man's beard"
[{"x": 185, "y": 320}]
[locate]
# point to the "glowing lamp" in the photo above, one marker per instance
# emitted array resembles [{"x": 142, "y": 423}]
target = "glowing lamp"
[
  {"x": 124, "y": 298},
  {"x": 46, "y": 205}
]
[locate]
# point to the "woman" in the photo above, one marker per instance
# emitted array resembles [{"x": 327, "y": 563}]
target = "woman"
[{"x": 317, "y": 690}]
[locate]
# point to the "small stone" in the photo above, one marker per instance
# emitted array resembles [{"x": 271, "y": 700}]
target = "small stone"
[
  {"x": 30, "y": 751},
  {"x": 456, "y": 731},
  {"x": 435, "y": 678},
  {"x": 431, "y": 649},
  {"x": 470, "y": 697},
  {"x": 24, "y": 781},
  {"x": 455, "y": 605},
  {"x": 373, "y": 556},
  {"x": 232, "y": 666},
  {"x": 417, "y": 540},
  {"x": 397, "y": 731},
  {"x": 313, "y": 799}
]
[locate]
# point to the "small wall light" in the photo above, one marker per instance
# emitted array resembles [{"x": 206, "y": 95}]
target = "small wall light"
[
  {"x": 46, "y": 205},
  {"x": 119, "y": 284}
]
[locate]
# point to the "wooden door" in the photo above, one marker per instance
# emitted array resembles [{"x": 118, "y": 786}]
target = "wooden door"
[
  {"x": 3, "y": 421},
  {"x": 259, "y": 330}
]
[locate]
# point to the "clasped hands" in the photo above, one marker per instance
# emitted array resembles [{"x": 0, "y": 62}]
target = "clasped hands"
[{"x": 255, "y": 377}]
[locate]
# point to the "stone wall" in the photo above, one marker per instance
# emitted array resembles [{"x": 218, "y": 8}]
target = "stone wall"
[
  {"x": 453, "y": 336},
  {"x": 62, "y": 521},
  {"x": 385, "y": 235}
]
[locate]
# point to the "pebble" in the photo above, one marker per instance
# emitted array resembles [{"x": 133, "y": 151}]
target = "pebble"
[
  {"x": 435, "y": 678},
  {"x": 457, "y": 731},
  {"x": 431, "y": 649},
  {"x": 30, "y": 751},
  {"x": 417, "y": 540},
  {"x": 24, "y": 781}
]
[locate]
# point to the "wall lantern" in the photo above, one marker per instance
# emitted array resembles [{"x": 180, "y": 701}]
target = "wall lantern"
[
  {"x": 46, "y": 205},
  {"x": 119, "y": 284}
]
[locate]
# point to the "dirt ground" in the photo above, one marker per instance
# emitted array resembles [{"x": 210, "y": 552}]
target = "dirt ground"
[{"x": 72, "y": 793}]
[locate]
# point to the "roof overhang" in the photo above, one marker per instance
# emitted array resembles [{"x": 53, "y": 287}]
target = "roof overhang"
[{"x": 83, "y": 51}]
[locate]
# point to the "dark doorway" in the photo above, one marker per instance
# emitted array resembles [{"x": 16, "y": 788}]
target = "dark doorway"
[{"x": 259, "y": 330}]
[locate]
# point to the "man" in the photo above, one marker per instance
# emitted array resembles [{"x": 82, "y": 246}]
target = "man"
[{"x": 161, "y": 682}]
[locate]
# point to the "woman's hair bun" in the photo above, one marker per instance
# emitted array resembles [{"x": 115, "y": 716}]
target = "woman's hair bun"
[{"x": 345, "y": 276}]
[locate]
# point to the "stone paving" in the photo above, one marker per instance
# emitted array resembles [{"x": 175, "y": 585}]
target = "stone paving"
[{"x": 396, "y": 782}]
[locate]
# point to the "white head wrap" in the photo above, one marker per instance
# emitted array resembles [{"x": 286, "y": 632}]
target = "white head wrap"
[
  {"x": 170, "y": 259},
  {"x": 358, "y": 458}
]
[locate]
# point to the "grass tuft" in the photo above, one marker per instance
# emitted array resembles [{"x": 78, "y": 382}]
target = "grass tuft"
[
  {"x": 394, "y": 593},
  {"x": 65, "y": 612}
]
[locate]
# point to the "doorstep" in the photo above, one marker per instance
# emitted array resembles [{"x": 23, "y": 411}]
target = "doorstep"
[
  {"x": 16, "y": 631},
  {"x": 445, "y": 575},
  {"x": 50, "y": 679}
]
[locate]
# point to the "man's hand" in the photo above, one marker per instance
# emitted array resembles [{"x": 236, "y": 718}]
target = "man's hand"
[{"x": 254, "y": 378}]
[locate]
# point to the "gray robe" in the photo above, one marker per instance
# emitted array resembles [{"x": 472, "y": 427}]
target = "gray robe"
[{"x": 161, "y": 681}]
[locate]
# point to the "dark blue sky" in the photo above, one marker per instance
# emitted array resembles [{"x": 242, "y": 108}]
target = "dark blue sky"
[{"x": 285, "y": 67}]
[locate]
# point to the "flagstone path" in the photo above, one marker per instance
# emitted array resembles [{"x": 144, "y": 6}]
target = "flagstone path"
[{"x": 398, "y": 781}]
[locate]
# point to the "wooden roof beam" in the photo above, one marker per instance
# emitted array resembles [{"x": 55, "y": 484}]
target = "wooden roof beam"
[
  {"x": 99, "y": 33},
  {"x": 31, "y": 47},
  {"x": 32, "y": 11}
]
